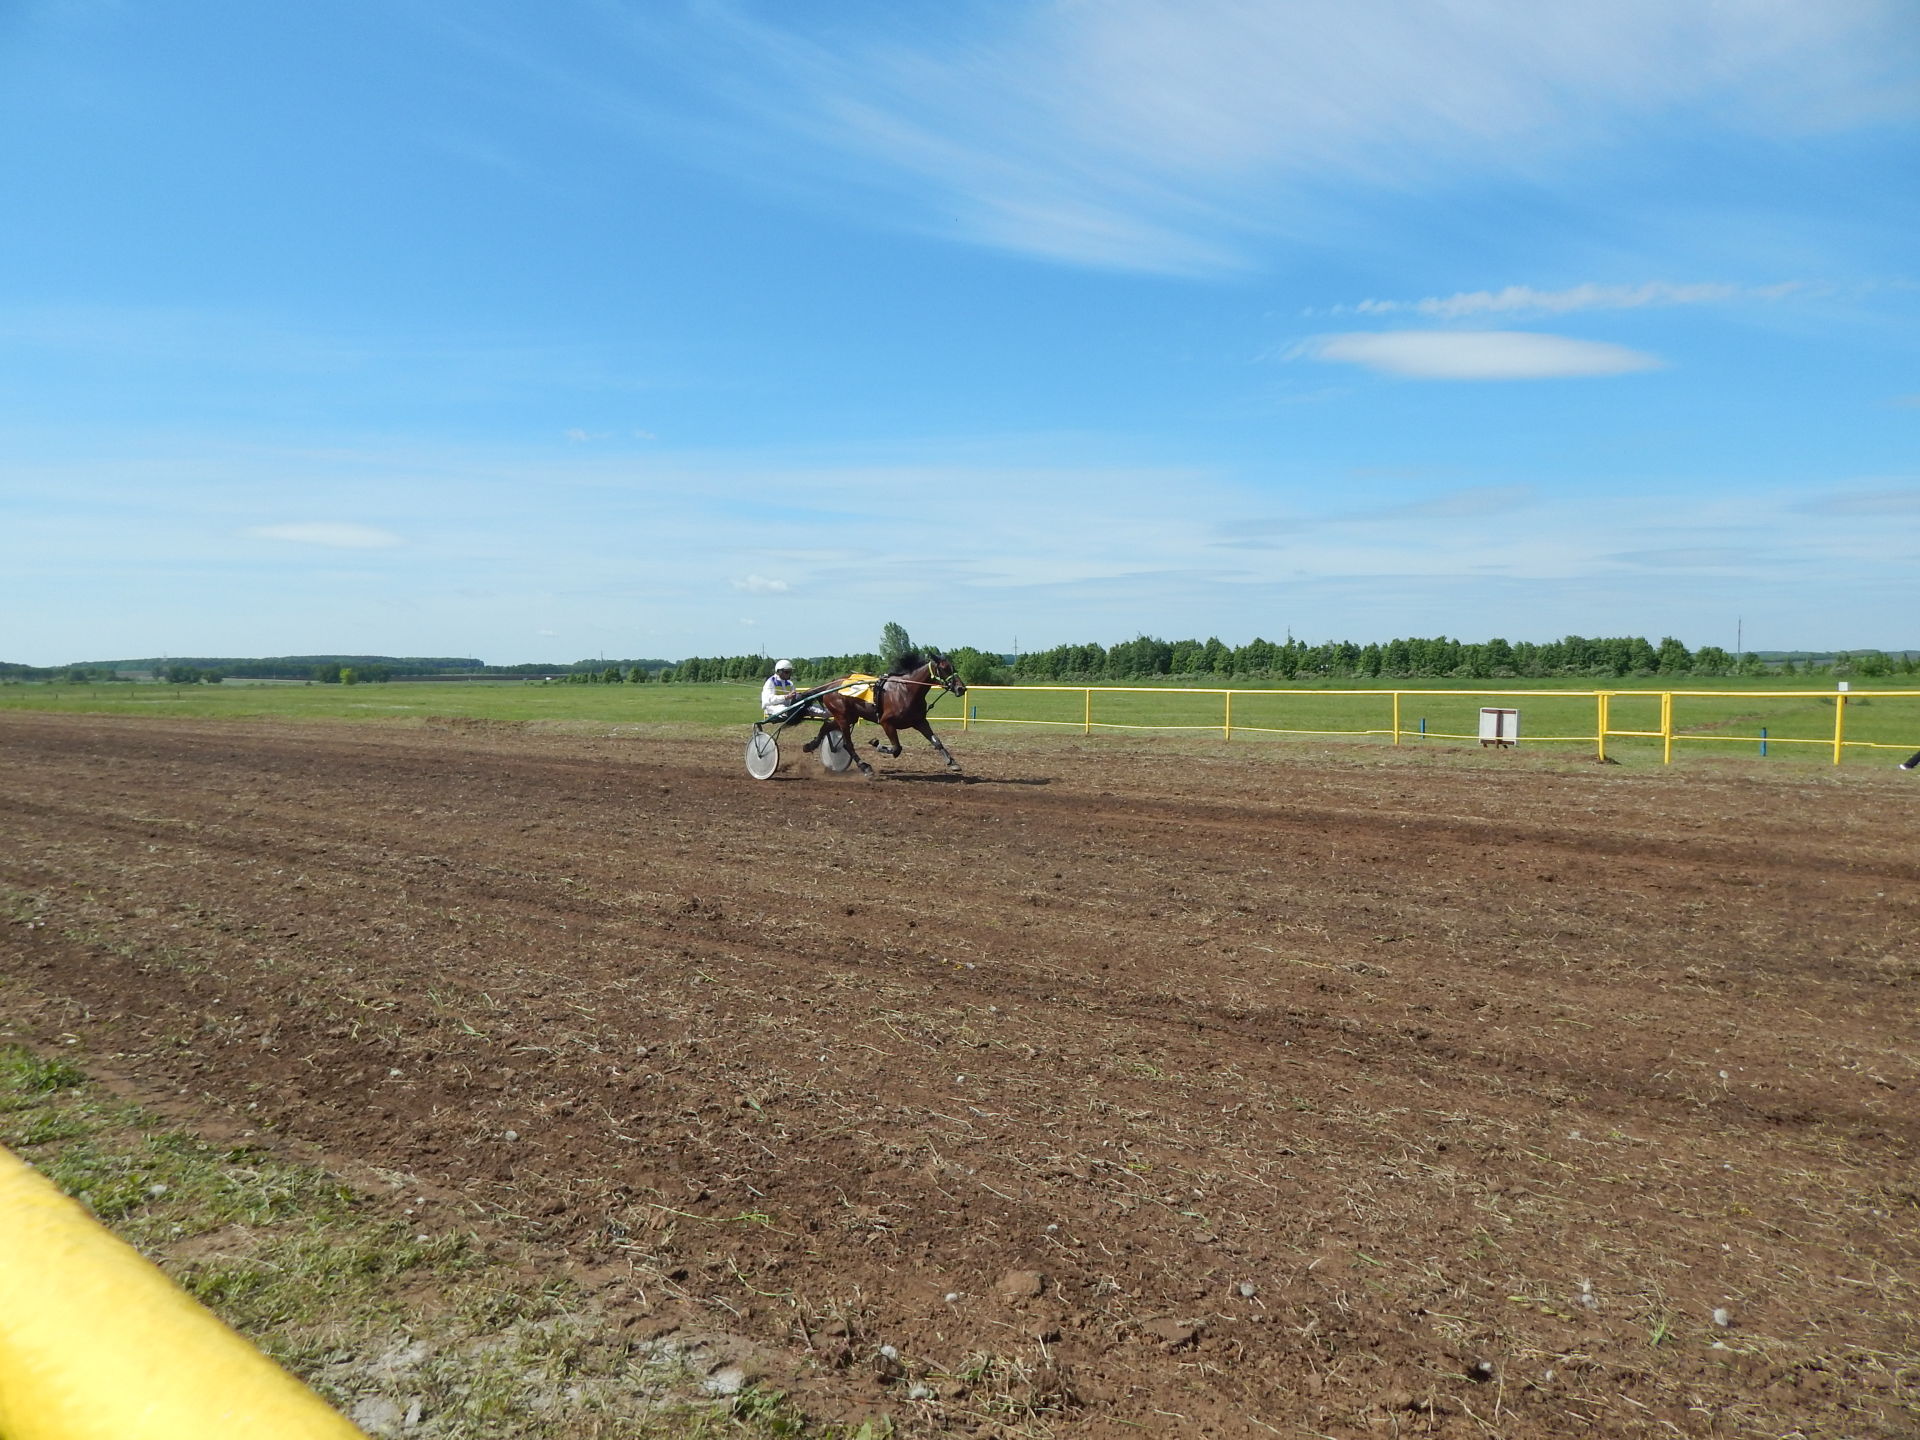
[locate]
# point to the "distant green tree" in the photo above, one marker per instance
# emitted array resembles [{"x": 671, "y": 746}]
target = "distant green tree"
[
  {"x": 612, "y": 675},
  {"x": 327, "y": 674},
  {"x": 349, "y": 675},
  {"x": 976, "y": 667},
  {"x": 894, "y": 642},
  {"x": 1672, "y": 658},
  {"x": 1256, "y": 657}
]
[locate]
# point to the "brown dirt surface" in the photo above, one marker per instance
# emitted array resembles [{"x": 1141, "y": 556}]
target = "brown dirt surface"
[{"x": 1178, "y": 1087}]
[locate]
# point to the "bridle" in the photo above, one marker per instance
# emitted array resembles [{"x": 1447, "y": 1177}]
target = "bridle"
[{"x": 950, "y": 681}]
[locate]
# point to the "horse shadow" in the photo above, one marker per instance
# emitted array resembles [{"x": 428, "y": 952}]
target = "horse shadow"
[{"x": 966, "y": 780}]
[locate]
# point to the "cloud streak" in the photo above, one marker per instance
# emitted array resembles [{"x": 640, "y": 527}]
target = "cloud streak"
[
  {"x": 328, "y": 536},
  {"x": 1134, "y": 134},
  {"x": 1475, "y": 355},
  {"x": 1525, "y": 300},
  {"x": 761, "y": 585},
  {"x": 1895, "y": 500}
]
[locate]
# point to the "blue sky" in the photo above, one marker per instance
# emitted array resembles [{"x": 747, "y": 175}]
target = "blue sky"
[{"x": 543, "y": 332}]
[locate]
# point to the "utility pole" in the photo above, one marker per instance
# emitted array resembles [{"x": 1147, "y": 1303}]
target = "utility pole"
[{"x": 1739, "y": 639}]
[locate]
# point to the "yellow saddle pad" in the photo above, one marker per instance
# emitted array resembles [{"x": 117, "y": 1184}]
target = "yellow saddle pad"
[{"x": 859, "y": 687}]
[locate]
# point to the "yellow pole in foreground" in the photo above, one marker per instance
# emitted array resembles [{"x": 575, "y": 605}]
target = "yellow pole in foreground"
[
  {"x": 97, "y": 1344},
  {"x": 1086, "y": 724},
  {"x": 1666, "y": 727},
  {"x": 1396, "y": 717},
  {"x": 1600, "y": 698},
  {"x": 1226, "y": 729},
  {"x": 1839, "y": 724}
]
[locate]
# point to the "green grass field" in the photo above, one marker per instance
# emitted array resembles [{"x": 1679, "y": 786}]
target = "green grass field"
[{"x": 1798, "y": 719}]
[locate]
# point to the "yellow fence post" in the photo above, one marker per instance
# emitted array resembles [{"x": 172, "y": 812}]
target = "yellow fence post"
[
  {"x": 1226, "y": 729},
  {"x": 1396, "y": 717},
  {"x": 1086, "y": 723},
  {"x": 1839, "y": 724},
  {"x": 96, "y": 1342},
  {"x": 1600, "y": 699},
  {"x": 1666, "y": 727}
]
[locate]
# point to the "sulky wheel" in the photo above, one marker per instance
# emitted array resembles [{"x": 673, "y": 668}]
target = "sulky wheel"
[
  {"x": 834, "y": 754},
  {"x": 763, "y": 755}
]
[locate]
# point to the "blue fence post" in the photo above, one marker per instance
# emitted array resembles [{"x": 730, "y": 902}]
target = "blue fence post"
[
  {"x": 1763, "y": 739},
  {"x": 1423, "y": 724}
]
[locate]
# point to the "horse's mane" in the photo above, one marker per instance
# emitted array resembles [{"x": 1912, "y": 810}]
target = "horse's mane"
[{"x": 906, "y": 662}]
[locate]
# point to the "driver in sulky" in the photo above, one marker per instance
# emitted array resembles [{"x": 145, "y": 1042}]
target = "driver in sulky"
[{"x": 777, "y": 694}]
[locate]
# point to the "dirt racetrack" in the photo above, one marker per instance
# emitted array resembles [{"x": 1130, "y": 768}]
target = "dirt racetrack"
[{"x": 1167, "y": 1088}]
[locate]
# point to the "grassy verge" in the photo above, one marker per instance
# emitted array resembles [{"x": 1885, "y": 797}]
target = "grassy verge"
[
  {"x": 1796, "y": 722},
  {"x": 407, "y": 1325}
]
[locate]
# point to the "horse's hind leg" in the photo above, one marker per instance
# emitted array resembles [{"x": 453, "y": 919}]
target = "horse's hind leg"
[
  {"x": 892, "y": 745},
  {"x": 814, "y": 744},
  {"x": 934, "y": 740}
]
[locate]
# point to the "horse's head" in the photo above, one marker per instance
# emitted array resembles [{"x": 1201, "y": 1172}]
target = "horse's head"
[{"x": 941, "y": 672}]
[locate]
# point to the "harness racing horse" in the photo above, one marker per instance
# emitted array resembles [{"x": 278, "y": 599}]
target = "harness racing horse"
[{"x": 899, "y": 703}]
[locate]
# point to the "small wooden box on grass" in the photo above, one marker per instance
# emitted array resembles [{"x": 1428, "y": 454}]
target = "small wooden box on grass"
[{"x": 1499, "y": 727}]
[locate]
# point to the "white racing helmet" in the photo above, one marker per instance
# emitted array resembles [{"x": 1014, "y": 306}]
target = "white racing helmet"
[{"x": 783, "y": 665}]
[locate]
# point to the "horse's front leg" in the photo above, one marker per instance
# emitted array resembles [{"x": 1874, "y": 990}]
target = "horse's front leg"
[
  {"x": 934, "y": 740},
  {"x": 846, "y": 739}
]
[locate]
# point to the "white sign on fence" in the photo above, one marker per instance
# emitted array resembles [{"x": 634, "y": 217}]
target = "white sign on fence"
[{"x": 1499, "y": 727}]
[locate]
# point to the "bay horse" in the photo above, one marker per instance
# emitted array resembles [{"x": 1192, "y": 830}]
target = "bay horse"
[{"x": 899, "y": 703}]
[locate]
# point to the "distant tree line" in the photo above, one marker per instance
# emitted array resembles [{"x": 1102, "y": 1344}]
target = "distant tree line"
[
  {"x": 976, "y": 667},
  {"x": 1149, "y": 658},
  {"x": 1142, "y": 658}
]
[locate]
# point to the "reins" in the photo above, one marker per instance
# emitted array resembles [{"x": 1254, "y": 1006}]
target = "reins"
[{"x": 943, "y": 685}]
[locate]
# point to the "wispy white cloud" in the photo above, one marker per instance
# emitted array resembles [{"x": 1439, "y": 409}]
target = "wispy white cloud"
[
  {"x": 641, "y": 557},
  {"x": 1889, "y": 501},
  {"x": 332, "y": 536},
  {"x": 1690, "y": 557},
  {"x": 1473, "y": 503},
  {"x": 1475, "y": 355},
  {"x": 1525, "y": 300},
  {"x": 1163, "y": 134}
]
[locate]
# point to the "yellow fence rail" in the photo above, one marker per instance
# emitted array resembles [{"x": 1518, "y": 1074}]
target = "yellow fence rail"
[
  {"x": 97, "y": 1344},
  {"x": 1796, "y": 721}
]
